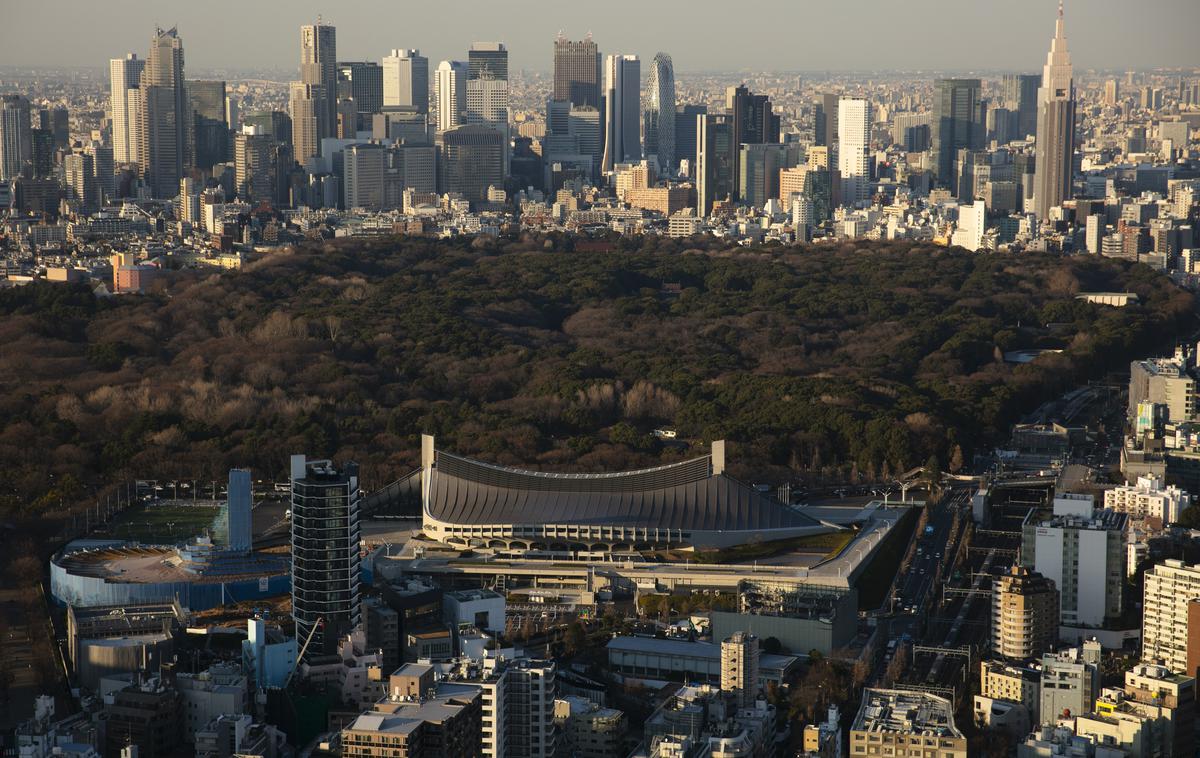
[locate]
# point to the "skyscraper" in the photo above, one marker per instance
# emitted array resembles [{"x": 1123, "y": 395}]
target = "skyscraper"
[
  {"x": 470, "y": 159},
  {"x": 754, "y": 123},
  {"x": 1024, "y": 614},
  {"x": 739, "y": 667},
  {"x": 1056, "y": 126},
  {"x": 16, "y": 135},
  {"x": 825, "y": 120},
  {"x": 715, "y": 160},
  {"x": 660, "y": 112},
  {"x": 252, "y": 165},
  {"x": 80, "y": 175},
  {"x": 854, "y": 139},
  {"x": 165, "y": 136},
  {"x": 325, "y": 560},
  {"x": 318, "y": 65},
  {"x": 309, "y": 114},
  {"x": 364, "y": 82},
  {"x": 958, "y": 122},
  {"x": 685, "y": 134},
  {"x": 622, "y": 110},
  {"x": 124, "y": 74},
  {"x": 577, "y": 71},
  {"x": 406, "y": 80},
  {"x": 211, "y": 132},
  {"x": 1020, "y": 93},
  {"x": 487, "y": 60},
  {"x": 450, "y": 94},
  {"x": 487, "y": 84}
]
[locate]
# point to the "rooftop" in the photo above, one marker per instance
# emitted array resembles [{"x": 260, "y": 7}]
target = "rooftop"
[{"x": 905, "y": 712}]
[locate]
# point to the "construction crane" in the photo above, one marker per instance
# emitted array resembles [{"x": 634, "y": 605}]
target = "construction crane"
[{"x": 304, "y": 648}]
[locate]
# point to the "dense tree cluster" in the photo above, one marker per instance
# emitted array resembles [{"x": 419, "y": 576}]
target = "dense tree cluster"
[{"x": 853, "y": 361}]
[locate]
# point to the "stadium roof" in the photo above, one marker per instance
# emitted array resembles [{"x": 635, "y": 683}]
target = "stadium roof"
[{"x": 690, "y": 495}]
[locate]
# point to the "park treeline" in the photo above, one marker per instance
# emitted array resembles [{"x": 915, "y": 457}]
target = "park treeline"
[{"x": 814, "y": 363}]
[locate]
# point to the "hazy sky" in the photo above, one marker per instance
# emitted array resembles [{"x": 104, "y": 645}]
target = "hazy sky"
[{"x": 701, "y": 35}]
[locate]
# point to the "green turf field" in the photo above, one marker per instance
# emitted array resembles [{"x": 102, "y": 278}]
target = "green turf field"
[{"x": 163, "y": 523}]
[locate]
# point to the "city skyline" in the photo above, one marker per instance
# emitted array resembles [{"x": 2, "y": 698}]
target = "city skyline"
[{"x": 264, "y": 41}]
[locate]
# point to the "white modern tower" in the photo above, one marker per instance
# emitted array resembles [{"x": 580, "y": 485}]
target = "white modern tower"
[
  {"x": 622, "y": 104},
  {"x": 1055, "y": 126},
  {"x": 854, "y": 138},
  {"x": 450, "y": 94},
  {"x": 406, "y": 80},
  {"x": 124, "y": 75},
  {"x": 660, "y": 112}
]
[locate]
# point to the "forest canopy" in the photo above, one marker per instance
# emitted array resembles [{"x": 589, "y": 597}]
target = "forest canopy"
[{"x": 854, "y": 361}]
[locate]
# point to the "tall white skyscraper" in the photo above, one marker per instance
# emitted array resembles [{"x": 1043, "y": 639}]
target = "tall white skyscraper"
[
  {"x": 660, "y": 112},
  {"x": 450, "y": 94},
  {"x": 124, "y": 75},
  {"x": 854, "y": 139},
  {"x": 406, "y": 80},
  {"x": 1055, "y": 126},
  {"x": 622, "y": 103}
]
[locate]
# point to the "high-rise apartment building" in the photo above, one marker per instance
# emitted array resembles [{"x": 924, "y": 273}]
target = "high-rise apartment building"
[
  {"x": 318, "y": 66},
  {"x": 660, "y": 112},
  {"x": 739, "y": 667},
  {"x": 853, "y": 150},
  {"x": 16, "y": 136},
  {"x": 530, "y": 688},
  {"x": 622, "y": 111},
  {"x": 124, "y": 74},
  {"x": 1171, "y": 616},
  {"x": 1024, "y": 614},
  {"x": 1054, "y": 167},
  {"x": 325, "y": 551},
  {"x": 577, "y": 72},
  {"x": 165, "y": 135},
  {"x": 450, "y": 95},
  {"x": 958, "y": 122},
  {"x": 406, "y": 80}
]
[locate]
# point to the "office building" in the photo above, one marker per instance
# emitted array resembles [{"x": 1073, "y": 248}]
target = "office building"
[
  {"x": 1070, "y": 682},
  {"x": 659, "y": 124},
  {"x": 222, "y": 688},
  {"x": 1084, "y": 556},
  {"x": 309, "y": 115},
  {"x": 1171, "y": 616},
  {"x": 622, "y": 111},
  {"x": 210, "y": 130},
  {"x": 1168, "y": 700},
  {"x": 1054, "y": 165},
  {"x": 685, "y": 134},
  {"x": 450, "y": 95},
  {"x": 147, "y": 716},
  {"x": 318, "y": 67},
  {"x": 759, "y": 167},
  {"x": 1024, "y": 614},
  {"x": 102, "y": 163},
  {"x": 912, "y": 130},
  {"x": 364, "y": 176},
  {"x": 825, "y": 120},
  {"x": 577, "y": 72},
  {"x": 124, "y": 74},
  {"x": 275, "y": 124},
  {"x": 739, "y": 667},
  {"x": 470, "y": 160},
  {"x": 406, "y": 80},
  {"x": 1020, "y": 95},
  {"x": 958, "y": 122},
  {"x": 1148, "y": 499},
  {"x": 1112, "y": 92},
  {"x": 1000, "y": 682},
  {"x": 853, "y": 151},
  {"x": 754, "y": 122},
  {"x": 165, "y": 132},
  {"x": 716, "y": 160},
  {"x": 252, "y": 166},
  {"x": 889, "y": 722},
  {"x": 588, "y": 730},
  {"x": 363, "y": 82},
  {"x": 325, "y": 557},
  {"x": 1166, "y": 382}
]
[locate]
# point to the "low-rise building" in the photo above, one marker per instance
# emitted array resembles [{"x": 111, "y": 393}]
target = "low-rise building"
[
  {"x": 1070, "y": 682},
  {"x": 1149, "y": 498},
  {"x": 895, "y": 722},
  {"x": 587, "y": 730}
]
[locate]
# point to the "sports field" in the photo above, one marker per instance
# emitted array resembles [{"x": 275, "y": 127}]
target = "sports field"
[{"x": 167, "y": 524}]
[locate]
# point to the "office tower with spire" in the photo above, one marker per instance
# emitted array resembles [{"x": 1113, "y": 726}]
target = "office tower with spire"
[
  {"x": 854, "y": 141},
  {"x": 165, "y": 136},
  {"x": 16, "y": 135},
  {"x": 318, "y": 64},
  {"x": 660, "y": 112},
  {"x": 959, "y": 121},
  {"x": 406, "y": 80},
  {"x": 124, "y": 74},
  {"x": 1056, "y": 126},
  {"x": 622, "y": 110},
  {"x": 577, "y": 71},
  {"x": 450, "y": 94}
]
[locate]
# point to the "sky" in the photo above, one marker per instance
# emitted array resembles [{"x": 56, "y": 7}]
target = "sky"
[{"x": 700, "y": 35}]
